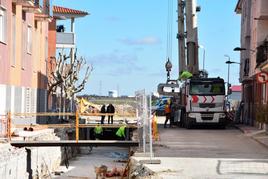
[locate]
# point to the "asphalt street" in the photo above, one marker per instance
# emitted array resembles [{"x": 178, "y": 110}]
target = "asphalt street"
[
  {"x": 207, "y": 153},
  {"x": 207, "y": 143}
]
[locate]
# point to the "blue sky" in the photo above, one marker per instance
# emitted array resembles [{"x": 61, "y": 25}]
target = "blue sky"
[{"x": 125, "y": 40}]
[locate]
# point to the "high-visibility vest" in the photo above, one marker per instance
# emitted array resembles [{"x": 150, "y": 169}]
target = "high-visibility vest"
[
  {"x": 121, "y": 131},
  {"x": 167, "y": 109},
  {"x": 98, "y": 130}
]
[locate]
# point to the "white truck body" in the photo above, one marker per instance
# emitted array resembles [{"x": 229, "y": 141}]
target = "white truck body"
[{"x": 202, "y": 103}]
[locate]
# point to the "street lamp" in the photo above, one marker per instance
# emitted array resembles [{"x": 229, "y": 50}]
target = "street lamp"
[
  {"x": 204, "y": 55},
  {"x": 168, "y": 67},
  {"x": 228, "y": 62},
  {"x": 242, "y": 49}
]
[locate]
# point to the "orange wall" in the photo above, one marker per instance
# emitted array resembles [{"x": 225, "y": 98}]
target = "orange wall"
[{"x": 34, "y": 72}]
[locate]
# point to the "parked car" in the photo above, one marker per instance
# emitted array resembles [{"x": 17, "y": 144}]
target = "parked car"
[{"x": 159, "y": 107}]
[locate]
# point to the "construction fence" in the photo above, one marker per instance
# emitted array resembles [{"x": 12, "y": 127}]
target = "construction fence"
[{"x": 134, "y": 113}]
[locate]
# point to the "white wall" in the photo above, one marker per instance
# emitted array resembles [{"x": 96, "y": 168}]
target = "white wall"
[{"x": 3, "y": 100}]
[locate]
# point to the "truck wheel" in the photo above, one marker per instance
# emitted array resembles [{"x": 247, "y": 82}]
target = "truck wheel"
[
  {"x": 182, "y": 120},
  {"x": 188, "y": 124},
  {"x": 222, "y": 126}
]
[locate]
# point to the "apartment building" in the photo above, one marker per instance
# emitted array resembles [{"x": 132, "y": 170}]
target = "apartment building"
[
  {"x": 253, "y": 54},
  {"x": 23, "y": 56}
]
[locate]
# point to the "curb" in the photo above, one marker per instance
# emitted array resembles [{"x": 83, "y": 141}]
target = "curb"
[
  {"x": 252, "y": 137},
  {"x": 263, "y": 144}
]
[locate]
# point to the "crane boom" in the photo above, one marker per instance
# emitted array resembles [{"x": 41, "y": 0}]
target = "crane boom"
[
  {"x": 181, "y": 36},
  {"x": 192, "y": 38}
]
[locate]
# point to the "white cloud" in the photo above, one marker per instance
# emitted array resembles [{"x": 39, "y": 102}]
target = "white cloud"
[{"x": 116, "y": 63}]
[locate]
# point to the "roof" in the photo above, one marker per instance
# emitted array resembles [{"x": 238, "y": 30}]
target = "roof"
[
  {"x": 238, "y": 7},
  {"x": 68, "y": 11},
  {"x": 236, "y": 88}
]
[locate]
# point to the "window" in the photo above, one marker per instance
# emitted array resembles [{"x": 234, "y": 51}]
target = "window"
[
  {"x": 3, "y": 24},
  {"x": 29, "y": 39},
  {"x": 207, "y": 88},
  {"x": 23, "y": 45},
  {"x": 246, "y": 67}
]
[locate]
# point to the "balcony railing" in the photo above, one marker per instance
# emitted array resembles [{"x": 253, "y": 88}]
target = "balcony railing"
[
  {"x": 65, "y": 40},
  {"x": 262, "y": 53}
]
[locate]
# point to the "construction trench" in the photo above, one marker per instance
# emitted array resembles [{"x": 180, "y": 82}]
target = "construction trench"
[
  {"x": 44, "y": 151},
  {"x": 53, "y": 149}
]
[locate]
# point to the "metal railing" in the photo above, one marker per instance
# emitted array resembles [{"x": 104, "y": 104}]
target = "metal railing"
[{"x": 6, "y": 122}]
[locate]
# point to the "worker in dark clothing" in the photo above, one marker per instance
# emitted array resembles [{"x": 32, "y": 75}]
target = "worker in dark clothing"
[
  {"x": 167, "y": 113},
  {"x": 103, "y": 110},
  {"x": 110, "y": 109}
]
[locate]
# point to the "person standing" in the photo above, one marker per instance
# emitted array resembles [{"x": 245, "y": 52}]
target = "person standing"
[
  {"x": 168, "y": 114},
  {"x": 111, "y": 110},
  {"x": 103, "y": 110}
]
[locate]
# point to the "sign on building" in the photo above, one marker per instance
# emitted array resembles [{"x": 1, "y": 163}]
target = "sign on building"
[{"x": 262, "y": 77}]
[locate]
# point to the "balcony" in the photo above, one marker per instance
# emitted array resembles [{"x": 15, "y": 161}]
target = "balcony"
[
  {"x": 29, "y": 6},
  {"x": 65, "y": 40},
  {"x": 27, "y": 3},
  {"x": 262, "y": 53},
  {"x": 44, "y": 10},
  {"x": 262, "y": 10}
]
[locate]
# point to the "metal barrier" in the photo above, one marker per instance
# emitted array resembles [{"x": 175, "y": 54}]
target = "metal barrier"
[{"x": 75, "y": 125}]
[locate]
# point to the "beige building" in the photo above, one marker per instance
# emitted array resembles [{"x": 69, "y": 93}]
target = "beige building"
[{"x": 254, "y": 55}]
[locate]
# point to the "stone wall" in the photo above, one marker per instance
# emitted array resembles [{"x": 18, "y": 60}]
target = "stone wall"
[
  {"x": 12, "y": 162},
  {"x": 38, "y": 162}
]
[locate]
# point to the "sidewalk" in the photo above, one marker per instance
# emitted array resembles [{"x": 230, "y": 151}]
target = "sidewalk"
[{"x": 258, "y": 135}]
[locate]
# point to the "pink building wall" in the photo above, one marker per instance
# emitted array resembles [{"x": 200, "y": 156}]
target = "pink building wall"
[
  {"x": 4, "y": 47},
  {"x": 23, "y": 82}
]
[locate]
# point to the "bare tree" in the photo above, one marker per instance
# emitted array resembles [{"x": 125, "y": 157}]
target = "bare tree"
[
  {"x": 66, "y": 75},
  {"x": 72, "y": 85}
]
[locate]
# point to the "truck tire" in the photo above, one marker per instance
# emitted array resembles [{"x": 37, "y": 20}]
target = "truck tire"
[
  {"x": 188, "y": 124},
  {"x": 182, "y": 120},
  {"x": 222, "y": 126}
]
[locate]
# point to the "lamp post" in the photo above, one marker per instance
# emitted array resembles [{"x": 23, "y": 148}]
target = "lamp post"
[
  {"x": 204, "y": 55},
  {"x": 228, "y": 62}
]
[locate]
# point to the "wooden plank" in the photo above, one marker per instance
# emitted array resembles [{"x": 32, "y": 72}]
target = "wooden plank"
[
  {"x": 51, "y": 143},
  {"x": 133, "y": 126},
  {"x": 69, "y": 114}
]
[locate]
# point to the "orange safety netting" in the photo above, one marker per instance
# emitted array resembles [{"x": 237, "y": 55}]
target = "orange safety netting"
[{"x": 155, "y": 128}]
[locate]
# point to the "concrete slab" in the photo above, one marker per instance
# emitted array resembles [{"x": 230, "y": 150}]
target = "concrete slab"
[
  {"x": 206, "y": 168},
  {"x": 258, "y": 135}
]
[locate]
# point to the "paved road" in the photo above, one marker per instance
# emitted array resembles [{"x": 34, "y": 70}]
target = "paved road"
[
  {"x": 208, "y": 143},
  {"x": 208, "y": 153}
]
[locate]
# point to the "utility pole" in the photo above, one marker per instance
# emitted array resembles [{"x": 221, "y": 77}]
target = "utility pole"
[
  {"x": 181, "y": 36},
  {"x": 192, "y": 40}
]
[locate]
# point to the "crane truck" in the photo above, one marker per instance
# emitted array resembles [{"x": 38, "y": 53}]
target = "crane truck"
[{"x": 200, "y": 99}]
